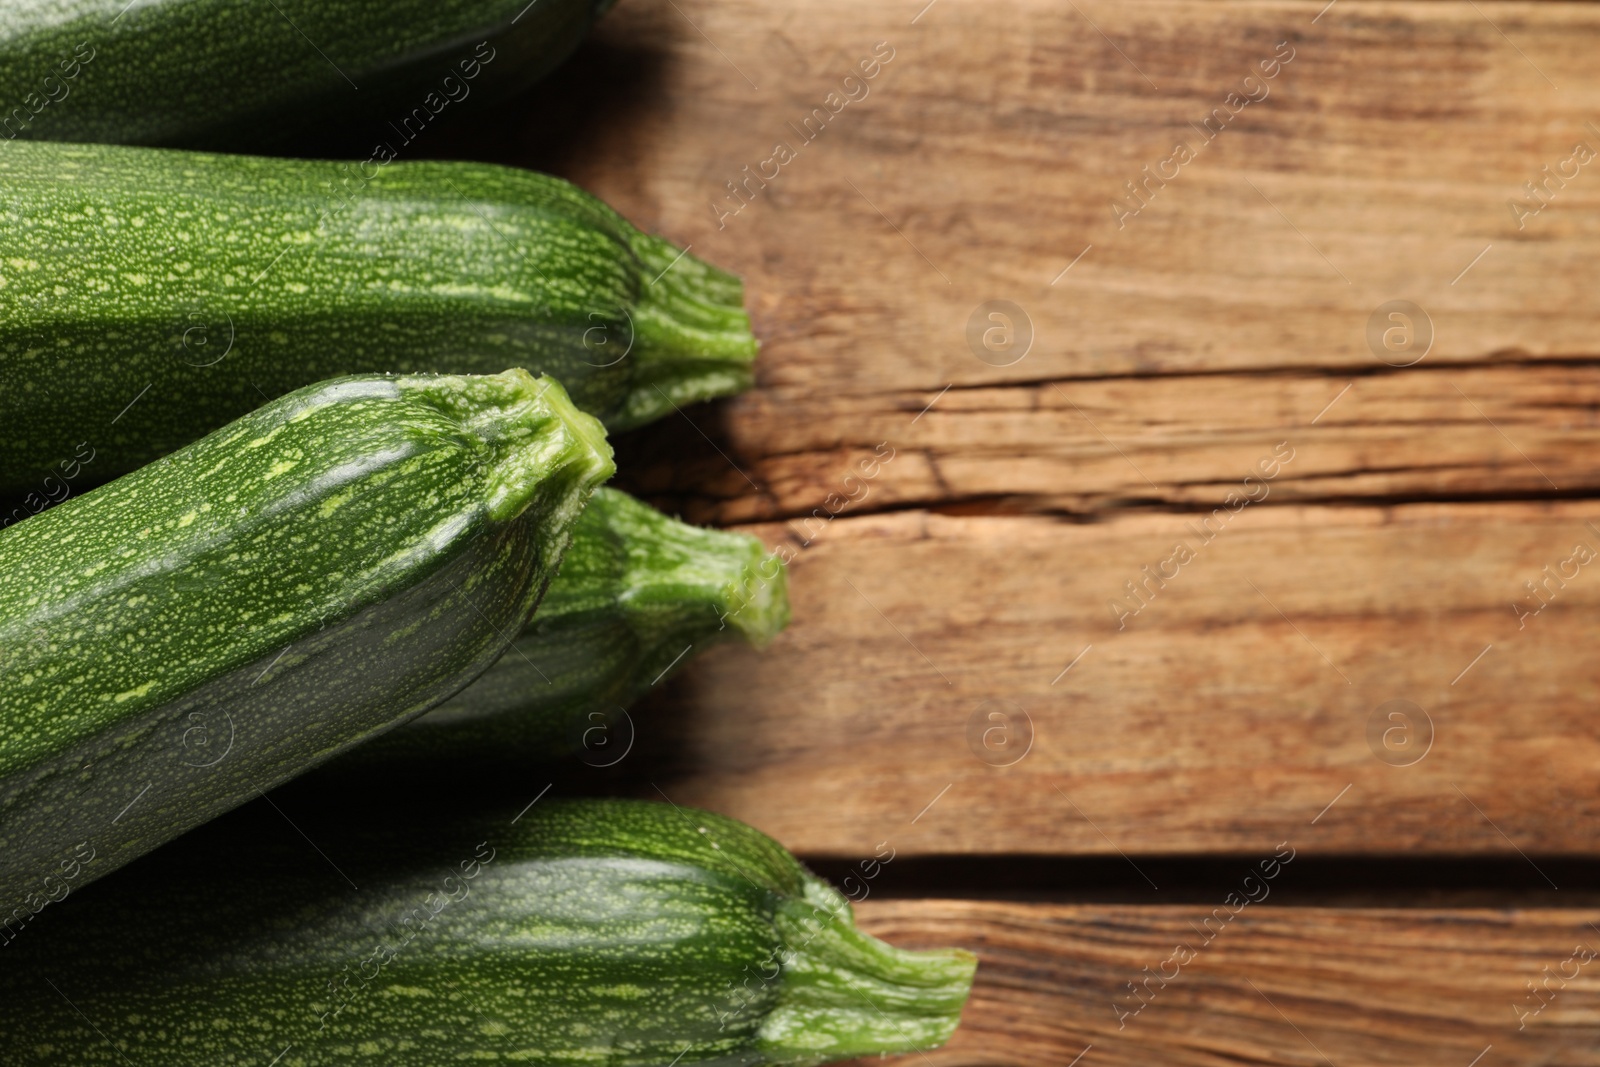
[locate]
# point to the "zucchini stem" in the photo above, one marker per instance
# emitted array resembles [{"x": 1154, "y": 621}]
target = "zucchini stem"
[
  {"x": 674, "y": 571},
  {"x": 691, "y": 334},
  {"x": 844, "y": 993}
]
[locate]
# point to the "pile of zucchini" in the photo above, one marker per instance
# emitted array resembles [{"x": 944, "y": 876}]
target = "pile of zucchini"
[{"x": 301, "y": 464}]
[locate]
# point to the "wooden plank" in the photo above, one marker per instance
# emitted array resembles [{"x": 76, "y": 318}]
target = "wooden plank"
[
  {"x": 989, "y": 152},
  {"x": 1280, "y": 986},
  {"x": 1244, "y": 699},
  {"x": 1175, "y": 441}
]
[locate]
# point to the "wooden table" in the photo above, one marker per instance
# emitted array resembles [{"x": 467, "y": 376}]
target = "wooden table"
[{"x": 1195, "y": 221}]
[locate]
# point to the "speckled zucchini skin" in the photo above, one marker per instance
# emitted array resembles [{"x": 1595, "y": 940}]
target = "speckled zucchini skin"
[
  {"x": 217, "y": 72},
  {"x": 148, "y": 296},
  {"x": 639, "y": 596},
  {"x": 621, "y": 933},
  {"x": 218, "y": 622}
]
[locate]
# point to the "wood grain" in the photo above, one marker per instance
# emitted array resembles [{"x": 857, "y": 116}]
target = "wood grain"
[
  {"x": 1225, "y": 716},
  {"x": 988, "y": 154},
  {"x": 1224, "y": 320},
  {"x": 1280, "y": 986},
  {"x": 1173, "y": 441}
]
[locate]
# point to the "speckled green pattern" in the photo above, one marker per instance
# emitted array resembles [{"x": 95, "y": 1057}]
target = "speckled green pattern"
[
  {"x": 213, "y": 624},
  {"x": 204, "y": 72},
  {"x": 639, "y": 595},
  {"x": 148, "y": 296},
  {"x": 615, "y": 933}
]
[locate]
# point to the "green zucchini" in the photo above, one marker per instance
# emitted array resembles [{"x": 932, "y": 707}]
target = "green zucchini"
[
  {"x": 216, "y": 72},
  {"x": 638, "y": 594},
  {"x": 344, "y": 558},
  {"x": 148, "y": 296},
  {"x": 582, "y": 932}
]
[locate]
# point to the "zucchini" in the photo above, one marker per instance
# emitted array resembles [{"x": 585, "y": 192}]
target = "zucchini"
[
  {"x": 216, "y": 72},
  {"x": 584, "y": 932},
  {"x": 638, "y": 594},
  {"x": 211, "y": 625},
  {"x": 148, "y": 296}
]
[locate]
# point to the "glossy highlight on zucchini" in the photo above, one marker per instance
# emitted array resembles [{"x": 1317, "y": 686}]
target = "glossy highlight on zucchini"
[
  {"x": 613, "y": 932},
  {"x": 215, "y": 72},
  {"x": 639, "y": 595},
  {"x": 148, "y": 296},
  {"x": 192, "y": 634}
]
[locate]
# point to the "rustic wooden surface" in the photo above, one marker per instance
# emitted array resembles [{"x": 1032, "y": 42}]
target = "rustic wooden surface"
[
  {"x": 1171, "y": 351},
  {"x": 1227, "y": 716},
  {"x": 1227, "y": 320},
  {"x": 1273, "y": 986}
]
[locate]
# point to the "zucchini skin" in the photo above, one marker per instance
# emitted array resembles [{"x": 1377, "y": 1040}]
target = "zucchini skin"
[
  {"x": 217, "y": 73},
  {"x": 638, "y": 596},
  {"x": 148, "y": 296},
  {"x": 599, "y": 931},
  {"x": 190, "y": 635}
]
